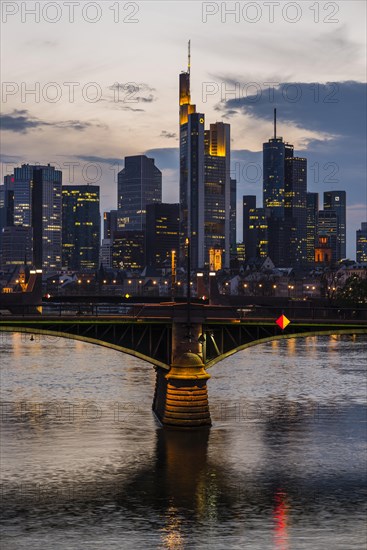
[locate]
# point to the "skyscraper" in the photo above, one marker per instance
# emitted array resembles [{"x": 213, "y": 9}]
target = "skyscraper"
[
  {"x": 249, "y": 240},
  {"x": 275, "y": 151},
  {"x": 81, "y": 225},
  {"x": 205, "y": 186},
  {"x": 233, "y": 219},
  {"x": 139, "y": 184},
  {"x": 312, "y": 226},
  {"x": 361, "y": 243},
  {"x": 336, "y": 201},
  {"x": 295, "y": 208},
  {"x": 328, "y": 227},
  {"x": 16, "y": 246},
  {"x": 217, "y": 191},
  {"x": 37, "y": 204},
  {"x": 162, "y": 233},
  {"x": 128, "y": 250},
  {"x": 7, "y": 202}
]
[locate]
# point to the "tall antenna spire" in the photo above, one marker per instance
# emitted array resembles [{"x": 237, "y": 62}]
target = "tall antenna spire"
[
  {"x": 189, "y": 57},
  {"x": 275, "y": 124}
]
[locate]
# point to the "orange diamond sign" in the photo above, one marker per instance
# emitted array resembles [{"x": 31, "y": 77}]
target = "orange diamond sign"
[{"x": 282, "y": 322}]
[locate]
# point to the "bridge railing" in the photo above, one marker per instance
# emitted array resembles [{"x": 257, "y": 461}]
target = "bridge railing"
[{"x": 167, "y": 311}]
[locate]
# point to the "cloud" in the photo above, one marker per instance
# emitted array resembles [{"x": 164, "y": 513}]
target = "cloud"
[
  {"x": 168, "y": 135},
  {"x": 99, "y": 160},
  {"x": 20, "y": 121},
  {"x": 132, "y": 92}
]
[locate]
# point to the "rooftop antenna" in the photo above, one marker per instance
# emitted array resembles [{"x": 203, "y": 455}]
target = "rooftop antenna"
[
  {"x": 275, "y": 124},
  {"x": 189, "y": 57}
]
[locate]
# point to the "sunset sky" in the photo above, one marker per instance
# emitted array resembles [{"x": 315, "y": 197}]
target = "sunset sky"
[{"x": 322, "y": 113}]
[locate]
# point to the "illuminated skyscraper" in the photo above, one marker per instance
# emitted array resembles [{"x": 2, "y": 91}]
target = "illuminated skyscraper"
[
  {"x": 328, "y": 227},
  {"x": 139, "y": 184},
  {"x": 37, "y": 204},
  {"x": 361, "y": 242},
  {"x": 312, "y": 223},
  {"x": 275, "y": 151},
  {"x": 205, "y": 186},
  {"x": 81, "y": 227},
  {"x": 295, "y": 208},
  {"x": 336, "y": 201},
  {"x": 162, "y": 233}
]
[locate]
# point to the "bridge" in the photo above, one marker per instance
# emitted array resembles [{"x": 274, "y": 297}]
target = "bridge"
[{"x": 183, "y": 341}]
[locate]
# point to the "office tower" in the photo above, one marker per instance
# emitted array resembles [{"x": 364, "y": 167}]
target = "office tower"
[
  {"x": 205, "y": 186},
  {"x": 257, "y": 241},
  {"x": 328, "y": 226},
  {"x": 110, "y": 223},
  {"x": 81, "y": 227},
  {"x": 217, "y": 192},
  {"x": 128, "y": 250},
  {"x": 295, "y": 208},
  {"x": 361, "y": 242},
  {"x": 312, "y": 226},
  {"x": 139, "y": 184},
  {"x": 7, "y": 202},
  {"x": 233, "y": 218},
  {"x": 275, "y": 151},
  {"x": 162, "y": 233},
  {"x": 248, "y": 206},
  {"x": 16, "y": 246},
  {"x": 282, "y": 234},
  {"x": 37, "y": 204},
  {"x": 105, "y": 258},
  {"x": 336, "y": 201}
]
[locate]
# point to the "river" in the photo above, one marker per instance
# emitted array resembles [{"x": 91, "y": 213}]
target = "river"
[{"x": 84, "y": 464}]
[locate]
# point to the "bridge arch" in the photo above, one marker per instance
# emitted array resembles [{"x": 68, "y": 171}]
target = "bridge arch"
[
  {"x": 216, "y": 360},
  {"x": 86, "y": 339}
]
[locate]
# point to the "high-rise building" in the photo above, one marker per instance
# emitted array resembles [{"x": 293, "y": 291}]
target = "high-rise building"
[
  {"x": 312, "y": 226},
  {"x": 249, "y": 240},
  {"x": 105, "y": 256},
  {"x": 217, "y": 192},
  {"x": 295, "y": 208},
  {"x": 282, "y": 234},
  {"x": 328, "y": 226},
  {"x": 139, "y": 184},
  {"x": 257, "y": 240},
  {"x": 205, "y": 186},
  {"x": 336, "y": 201},
  {"x": 162, "y": 233},
  {"x": 16, "y": 246},
  {"x": 275, "y": 151},
  {"x": 128, "y": 250},
  {"x": 7, "y": 202},
  {"x": 110, "y": 223},
  {"x": 361, "y": 242},
  {"x": 81, "y": 227},
  {"x": 37, "y": 204},
  {"x": 233, "y": 218}
]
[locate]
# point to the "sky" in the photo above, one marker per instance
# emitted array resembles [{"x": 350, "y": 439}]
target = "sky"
[{"x": 85, "y": 84}]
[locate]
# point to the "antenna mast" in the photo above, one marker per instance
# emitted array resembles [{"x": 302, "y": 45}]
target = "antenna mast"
[
  {"x": 275, "y": 124},
  {"x": 189, "y": 57}
]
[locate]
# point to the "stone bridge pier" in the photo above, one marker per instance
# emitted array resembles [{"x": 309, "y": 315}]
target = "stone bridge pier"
[{"x": 181, "y": 396}]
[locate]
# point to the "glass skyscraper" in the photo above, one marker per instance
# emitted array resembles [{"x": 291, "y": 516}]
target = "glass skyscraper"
[
  {"x": 336, "y": 201},
  {"x": 81, "y": 227},
  {"x": 139, "y": 184},
  {"x": 361, "y": 243},
  {"x": 295, "y": 208},
  {"x": 312, "y": 225},
  {"x": 37, "y": 204},
  {"x": 205, "y": 183}
]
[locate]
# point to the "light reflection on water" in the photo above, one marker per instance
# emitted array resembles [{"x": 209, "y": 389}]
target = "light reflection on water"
[{"x": 283, "y": 467}]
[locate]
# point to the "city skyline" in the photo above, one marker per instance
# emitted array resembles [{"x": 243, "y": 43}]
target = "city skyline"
[{"x": 106, "y": 132}]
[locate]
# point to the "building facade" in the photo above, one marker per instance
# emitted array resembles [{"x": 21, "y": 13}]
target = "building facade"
[
  {"x": 139, "y": 183},
  {"x": 81, "y": 225},
  {"x": 361, "y": 243},
  {"x": 336, "y": 201},
  {"x": 162, "y": 233}
]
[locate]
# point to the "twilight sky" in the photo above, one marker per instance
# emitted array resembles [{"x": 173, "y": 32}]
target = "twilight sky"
[{"x": 106, "y": 89}]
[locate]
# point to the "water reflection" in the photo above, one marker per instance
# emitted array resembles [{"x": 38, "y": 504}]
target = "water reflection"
[{"x": 283, "y": 466}]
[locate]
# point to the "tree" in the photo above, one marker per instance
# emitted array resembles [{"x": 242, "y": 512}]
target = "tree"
[{"x": 354, "y": 291}]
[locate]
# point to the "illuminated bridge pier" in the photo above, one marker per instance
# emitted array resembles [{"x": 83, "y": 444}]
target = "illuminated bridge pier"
[{"x": 181, "y": 344}]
